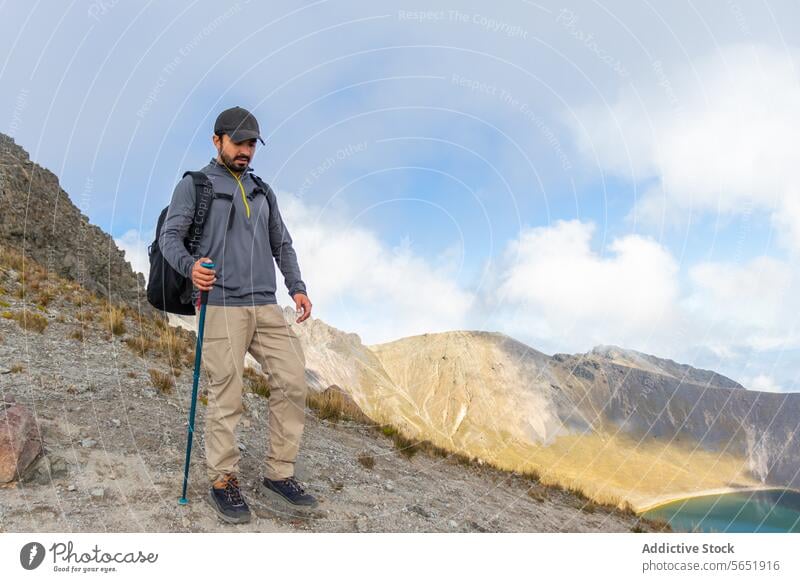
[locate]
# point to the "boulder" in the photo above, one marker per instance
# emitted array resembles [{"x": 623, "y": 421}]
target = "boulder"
[{"x": 20, "y": 440}]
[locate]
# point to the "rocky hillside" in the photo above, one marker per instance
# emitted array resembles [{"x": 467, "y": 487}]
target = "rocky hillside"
[
  {"x": 107, "y": 393},
  {"x": 39, "y": 218}
]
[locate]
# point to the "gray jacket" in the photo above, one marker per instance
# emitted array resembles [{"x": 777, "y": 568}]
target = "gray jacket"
[{"x": 242, "y": 247}]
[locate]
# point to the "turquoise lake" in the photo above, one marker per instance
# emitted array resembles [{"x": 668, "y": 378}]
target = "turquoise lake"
[{"x": 775, "y": 510}]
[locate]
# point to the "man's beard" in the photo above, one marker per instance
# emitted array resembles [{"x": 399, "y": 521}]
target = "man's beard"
[{"x": 232, "y": 163}]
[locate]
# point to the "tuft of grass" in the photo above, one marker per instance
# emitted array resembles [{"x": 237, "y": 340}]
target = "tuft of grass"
[
  {"x": 406, "y": 446},
  {"x": 335, "y": 404},
  {"x": 8, "y": 315},
  {"x": 85, "y": 316},
  {"x": 30, "y": 321},
  {"x": 77, "y": 334},
  {"x": 5, "y": 304},
  {"x": 17, "y": 368},
  {"x": 114, "y": 320},
  {"x": 173, "y": 344},
  {"x": 162, "y": 382},
  {"x": 132, "y": 374},
  {"x": 44, "y": 297},
  {"x": 537, "y": 494},
  {"x": 140, "y": 344},
  {"x": 366, "y": 460},
  {"x": 627, "y": 509},
  {"x": 255, "y": 382}
]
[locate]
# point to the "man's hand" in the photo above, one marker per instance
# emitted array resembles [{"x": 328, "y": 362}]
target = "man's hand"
[
  {"x": 302, "y": 305},
  {"x": 202, "y": 277}
]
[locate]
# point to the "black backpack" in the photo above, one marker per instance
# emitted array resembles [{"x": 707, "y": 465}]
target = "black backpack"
[{"x": 168, "y": 290}]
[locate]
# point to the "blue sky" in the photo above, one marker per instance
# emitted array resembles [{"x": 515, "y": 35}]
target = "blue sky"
[{"x": 569, "y": 173}]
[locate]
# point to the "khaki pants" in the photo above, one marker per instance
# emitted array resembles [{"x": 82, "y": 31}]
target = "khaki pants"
[{"x": 229, "y": 333}]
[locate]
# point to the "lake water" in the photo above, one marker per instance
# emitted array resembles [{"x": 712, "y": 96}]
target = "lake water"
[{"x": 774, "y": 510}]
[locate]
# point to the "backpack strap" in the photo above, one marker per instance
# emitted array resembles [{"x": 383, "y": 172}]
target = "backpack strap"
[
  {"x": 263, "y": 188},
  {"x": 204, "y": 195}
]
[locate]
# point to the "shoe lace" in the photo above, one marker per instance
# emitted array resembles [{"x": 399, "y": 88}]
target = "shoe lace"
[
  {"x": 294, "y": 485},
  {"x": 233, "y": 492}
]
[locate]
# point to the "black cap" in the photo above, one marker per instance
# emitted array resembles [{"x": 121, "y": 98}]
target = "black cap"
[{"x": 238, "y": 123}]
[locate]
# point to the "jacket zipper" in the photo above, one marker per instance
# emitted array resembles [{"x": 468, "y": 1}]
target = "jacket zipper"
[{"x": 241, "y": 188}]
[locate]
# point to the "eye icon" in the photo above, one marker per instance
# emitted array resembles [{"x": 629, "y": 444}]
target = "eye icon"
[{"x": 31, "y": 555}]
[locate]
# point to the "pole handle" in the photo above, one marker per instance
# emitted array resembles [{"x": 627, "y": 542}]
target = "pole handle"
[{"x": 203, "y": 299}]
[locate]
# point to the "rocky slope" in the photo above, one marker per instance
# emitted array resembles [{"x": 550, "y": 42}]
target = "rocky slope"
[
  {"x": 39, "y": 217},
  {"x": 114, "y": 444}
]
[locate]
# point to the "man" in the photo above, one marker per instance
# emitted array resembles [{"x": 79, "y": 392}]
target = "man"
[{"x": 242, "y": 234}]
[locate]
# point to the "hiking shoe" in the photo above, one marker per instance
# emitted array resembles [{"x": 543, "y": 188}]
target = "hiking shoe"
[
  {"x": 226, "y": 499},
  {"x": 290, "y": 491}
]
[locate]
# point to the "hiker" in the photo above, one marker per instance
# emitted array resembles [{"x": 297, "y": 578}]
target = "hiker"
[{"x": 243, "y": 232}]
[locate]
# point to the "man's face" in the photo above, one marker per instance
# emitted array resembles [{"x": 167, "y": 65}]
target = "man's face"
[{"x": 235, "y": 155}]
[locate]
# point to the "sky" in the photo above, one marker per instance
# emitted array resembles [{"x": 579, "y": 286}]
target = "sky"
[{"x": 568, "y": 173}]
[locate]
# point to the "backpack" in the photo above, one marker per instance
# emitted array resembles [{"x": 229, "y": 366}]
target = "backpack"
[{"x": 168, "y": 290}]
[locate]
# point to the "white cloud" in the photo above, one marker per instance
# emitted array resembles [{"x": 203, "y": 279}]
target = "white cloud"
[
  {"x": 761, "y": 382},
  {"x": 135, "y": 248},
  {"x": 559, "y": 293},
  {"x": 568, "y": 292},
  {"x": 724, "y": 140},
  {"x": 357, "y": 282},
  {"x": 755, "y": 304}
]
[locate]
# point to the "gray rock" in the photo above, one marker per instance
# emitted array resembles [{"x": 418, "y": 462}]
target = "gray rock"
[
  {"x": 71, "y": 488},
  {"x": 419, "y": 510},
  {"x": 88, "y": 443},
  {"x": 39, "y": 472},
  {"x": 97, "y": 493},
  {"x": 58, "y": 466}
]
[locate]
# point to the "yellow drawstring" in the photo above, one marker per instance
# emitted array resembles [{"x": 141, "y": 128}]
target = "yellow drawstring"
[{"x": 244, "y": 198}]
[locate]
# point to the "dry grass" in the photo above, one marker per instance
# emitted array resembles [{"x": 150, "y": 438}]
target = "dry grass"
[
  {"x": 537, "y": 493},
  {"x": 366, "y": 460},
  {"x": 334, "y": 404},
  {"x": 140, "y": 344},
  {"x": 162, "y": 382},
  {"x": 77, "y": 334},
  {"x": 255, "y": 382},
  {"x": 44, "y": 297},
  {"x": 114, "y": 319},
  {"x": 173, "y": 345},
  {"x": 30, "y": 321},
  {"x": 17, "y": 368}
]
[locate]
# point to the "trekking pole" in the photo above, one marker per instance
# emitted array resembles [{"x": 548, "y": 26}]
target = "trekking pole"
[{"x": 201, "y": 303}]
